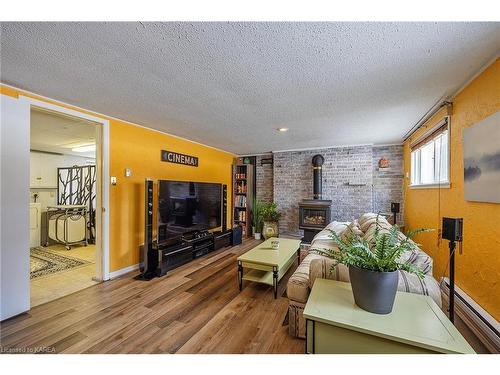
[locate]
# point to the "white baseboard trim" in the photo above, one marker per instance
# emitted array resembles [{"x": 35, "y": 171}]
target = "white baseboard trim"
[
  {"x": 123, "y": 271},
  {"x": 482, "y": 324}
]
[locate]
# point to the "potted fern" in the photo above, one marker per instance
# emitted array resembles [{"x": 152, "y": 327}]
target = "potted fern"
[
  {"x": 257, "y": 218},
  {"x": 373, "y": 266}
]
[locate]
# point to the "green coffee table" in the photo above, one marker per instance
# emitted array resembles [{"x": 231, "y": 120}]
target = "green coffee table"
[
  {"x": 335, "y": 324},
  {"x": 266, "y": 265}
]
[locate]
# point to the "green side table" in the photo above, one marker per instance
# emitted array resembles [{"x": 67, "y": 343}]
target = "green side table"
[{"x": 335, "y": 324}]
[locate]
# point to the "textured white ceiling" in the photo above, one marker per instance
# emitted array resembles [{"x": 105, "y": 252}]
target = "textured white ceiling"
[
  {"x": 230, "y": 85},
  {"x": 56, "y": 133}
]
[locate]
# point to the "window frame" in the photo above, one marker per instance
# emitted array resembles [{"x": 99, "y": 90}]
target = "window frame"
[{"x": 441, "y": 128}]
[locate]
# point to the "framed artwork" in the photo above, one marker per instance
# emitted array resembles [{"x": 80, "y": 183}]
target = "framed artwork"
[{"x": 482, "y": 160}]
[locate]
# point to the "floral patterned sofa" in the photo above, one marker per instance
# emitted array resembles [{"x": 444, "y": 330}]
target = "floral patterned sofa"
[{"x": 315, "y": 265}]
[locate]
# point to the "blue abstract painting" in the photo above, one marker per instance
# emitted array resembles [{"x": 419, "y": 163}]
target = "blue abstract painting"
[{"x": 482, "y": 160}]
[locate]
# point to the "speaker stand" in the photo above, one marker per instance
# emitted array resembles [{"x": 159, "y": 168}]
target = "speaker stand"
[{"x": 451, "y": 295}]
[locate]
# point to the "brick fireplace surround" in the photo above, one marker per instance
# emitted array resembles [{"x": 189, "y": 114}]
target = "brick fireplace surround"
[{"x": 351, "y": 179}]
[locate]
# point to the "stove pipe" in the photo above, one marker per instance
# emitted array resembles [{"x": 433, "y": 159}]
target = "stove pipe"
[{"x": 317, "y": 162}]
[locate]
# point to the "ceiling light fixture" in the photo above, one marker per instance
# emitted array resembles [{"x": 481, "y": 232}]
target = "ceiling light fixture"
[
  {"x": 282, "y": 130},
  {"x": 87, "y": 148}
]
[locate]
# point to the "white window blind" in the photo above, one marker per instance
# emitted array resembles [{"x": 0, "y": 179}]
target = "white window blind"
[{"x": 430, "y": 157}]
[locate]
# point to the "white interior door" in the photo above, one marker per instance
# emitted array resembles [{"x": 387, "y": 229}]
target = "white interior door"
[{"x": 14, "y": 203}]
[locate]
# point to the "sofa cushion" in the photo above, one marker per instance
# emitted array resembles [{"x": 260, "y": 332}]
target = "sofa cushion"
[
  {"x": 297, "y": 288},
  {"x": 419, "y": 259},
  {"x": 337, "y": 226},
  {"x": 365, "y": 220},
  {"x": 351, "y": 230},
  {"x": 369, "y": 225},
  {"x": 428, "y": 286},
  {"x": 323, "y": 240},
  {"x": 321, "y": 268}
]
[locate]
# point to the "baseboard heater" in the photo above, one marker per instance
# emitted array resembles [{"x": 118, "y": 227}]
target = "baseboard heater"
[{"x": 482, "y": 324}]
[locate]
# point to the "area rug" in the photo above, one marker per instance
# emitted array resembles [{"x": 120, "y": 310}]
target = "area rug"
[{"x": 45, "y": 262}]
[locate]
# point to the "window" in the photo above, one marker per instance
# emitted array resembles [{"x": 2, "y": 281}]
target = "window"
[{"x": 430, "y": 157}]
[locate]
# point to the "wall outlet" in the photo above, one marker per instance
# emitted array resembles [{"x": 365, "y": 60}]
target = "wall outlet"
[
  {"x": 113, "y": 180},
  {"x": 128, "y": 172}
]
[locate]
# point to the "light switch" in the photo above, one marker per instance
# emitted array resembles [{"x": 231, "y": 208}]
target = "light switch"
[
  {"x": 113, "y": 180},
  {"x": 128, "y": 172}
]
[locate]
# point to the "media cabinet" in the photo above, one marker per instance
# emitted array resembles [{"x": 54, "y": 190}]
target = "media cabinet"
[{"x": 193, "y": 245}]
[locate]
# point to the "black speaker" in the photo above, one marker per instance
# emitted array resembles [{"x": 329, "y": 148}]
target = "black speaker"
[
  {"x": 395, "y": 207},
  {"x": 236, "y": 237},
  {"x": 150, "y": 256},
  {"x": 224, "y": 208},
  {"x": 452, "y": 229},
  {"x": 395, "y": 211}
]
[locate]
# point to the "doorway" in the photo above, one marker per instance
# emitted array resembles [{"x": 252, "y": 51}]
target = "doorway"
[{"x": 65, "y": 198}]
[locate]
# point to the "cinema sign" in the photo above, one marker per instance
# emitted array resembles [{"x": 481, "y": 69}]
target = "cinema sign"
[{"x": 174, "y": 157}]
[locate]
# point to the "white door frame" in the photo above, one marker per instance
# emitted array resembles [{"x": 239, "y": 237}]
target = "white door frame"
[{"x": 102, "y": 268}]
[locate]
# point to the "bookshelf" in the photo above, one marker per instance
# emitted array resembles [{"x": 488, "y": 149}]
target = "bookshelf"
[{"x": 243, "y": 196}]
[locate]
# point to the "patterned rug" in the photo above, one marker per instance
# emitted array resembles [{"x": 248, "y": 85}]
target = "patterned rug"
[{"x": 45, "y": 262}]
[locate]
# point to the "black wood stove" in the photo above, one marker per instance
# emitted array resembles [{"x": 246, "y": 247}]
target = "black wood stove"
[{"x": 314, "y": 214}]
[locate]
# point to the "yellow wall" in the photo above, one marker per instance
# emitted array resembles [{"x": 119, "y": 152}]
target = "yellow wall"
[
  {"x": 478, "y": 269},
  {"x": 138, "y": 148}
]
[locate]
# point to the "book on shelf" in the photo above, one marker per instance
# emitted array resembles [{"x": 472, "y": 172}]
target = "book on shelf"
[
  {"x": 241, "y": 187},
  {"x": 241, "y": 216},
  {"x": 240, "y": 201}
]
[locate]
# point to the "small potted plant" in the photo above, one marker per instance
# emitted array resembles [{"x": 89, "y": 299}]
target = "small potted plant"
[
  {"x": 373, "y": 266},
  {"x": 257, "y": 219},
  {"x": 271, "y": 217}
]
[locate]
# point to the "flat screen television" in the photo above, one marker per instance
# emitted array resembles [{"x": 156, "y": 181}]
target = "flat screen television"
[{"x": 186, "y": 207}]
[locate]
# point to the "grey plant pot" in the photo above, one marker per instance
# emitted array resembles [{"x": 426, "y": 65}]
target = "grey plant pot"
[{"x": 374, "y": 291}]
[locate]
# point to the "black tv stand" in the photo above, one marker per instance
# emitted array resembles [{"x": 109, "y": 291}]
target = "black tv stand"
[
  {"x": 201, "y": 241},
  {"x": 195, "y": 236},
  {"x": 173, "y": 256},
  {"x": 203, "y": 247},
  {"x": 190, "y": 246}
]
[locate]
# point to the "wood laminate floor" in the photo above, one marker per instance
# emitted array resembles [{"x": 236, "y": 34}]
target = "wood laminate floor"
[{"x": 196, "y": 308}]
